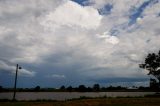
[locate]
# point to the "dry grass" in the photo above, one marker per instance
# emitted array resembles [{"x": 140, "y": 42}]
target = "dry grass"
[{"x": 92, "y": 102}]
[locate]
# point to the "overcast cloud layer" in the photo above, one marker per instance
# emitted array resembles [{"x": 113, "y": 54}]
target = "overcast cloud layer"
[{"x": 63, "y": 42}]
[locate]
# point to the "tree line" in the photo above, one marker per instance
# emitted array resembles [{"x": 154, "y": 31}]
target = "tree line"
[{"x": 80, "y": 88}]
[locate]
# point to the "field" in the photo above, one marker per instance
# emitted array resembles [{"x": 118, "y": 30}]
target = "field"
[{"x": 90, "y": 102}]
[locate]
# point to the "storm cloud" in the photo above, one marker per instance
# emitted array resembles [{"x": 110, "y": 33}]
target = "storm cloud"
[{"x": 64, "y": 42}]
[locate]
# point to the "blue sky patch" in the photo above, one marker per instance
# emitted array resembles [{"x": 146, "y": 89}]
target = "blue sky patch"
[
  {"x": 106, "y": 9},
  {"x": 82, "y": 2},
  {"x": 137, "y": 12}
]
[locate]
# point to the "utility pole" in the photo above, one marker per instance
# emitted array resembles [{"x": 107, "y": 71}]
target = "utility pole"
[{"x": 15, "y": 83}]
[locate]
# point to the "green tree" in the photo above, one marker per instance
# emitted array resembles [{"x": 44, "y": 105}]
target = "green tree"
[
  {"x": 37, "y": 88},
  {"x": 70, "y": 88},
  {"x": 62, "y": 87},
  {"x": 82, "y": 88},
  {"x": 96, "y": 87},
  {"x": 1, "y": 88},
  {"x": 152, "y": 64}
]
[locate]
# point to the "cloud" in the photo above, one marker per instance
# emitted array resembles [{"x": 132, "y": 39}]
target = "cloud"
[
  {"x": 72, "y": 14},
  {"x": 11, "y": 69},
  {"x": 57, "y": 76},
  {"x": 76, "y": 42},
  {"x": 108, "y": 38}
]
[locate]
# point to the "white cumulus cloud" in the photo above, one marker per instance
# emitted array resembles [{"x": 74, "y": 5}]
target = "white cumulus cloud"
[
  {"x": 109, "y": 38},
  {"x": 72, "y": 14}
]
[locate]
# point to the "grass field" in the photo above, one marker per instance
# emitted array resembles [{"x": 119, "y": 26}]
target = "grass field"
[{"x": 90, "y": 102}]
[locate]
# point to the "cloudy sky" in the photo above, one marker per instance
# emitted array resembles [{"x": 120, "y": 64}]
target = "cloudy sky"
[{"x": 73, "y": 42}]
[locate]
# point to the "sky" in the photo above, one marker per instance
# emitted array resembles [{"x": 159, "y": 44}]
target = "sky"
[{"x": 74, "y": 42}]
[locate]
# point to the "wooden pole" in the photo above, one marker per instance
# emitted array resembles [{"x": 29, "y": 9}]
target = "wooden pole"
[{"x": 15, "y": 83}]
